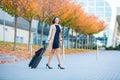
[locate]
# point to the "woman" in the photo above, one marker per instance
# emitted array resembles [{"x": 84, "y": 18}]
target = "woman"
[{"x": 54, "y": 42}]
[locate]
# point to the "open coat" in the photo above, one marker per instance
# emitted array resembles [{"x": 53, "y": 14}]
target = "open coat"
[{"x": 51, "y": 35}]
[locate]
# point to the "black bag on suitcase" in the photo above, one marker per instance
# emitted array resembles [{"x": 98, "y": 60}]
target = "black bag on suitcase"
[{"x": 37, "y": 57}]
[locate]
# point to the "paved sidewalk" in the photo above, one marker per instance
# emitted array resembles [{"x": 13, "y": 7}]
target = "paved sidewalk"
[
  {"x": 5, "y": 58},
  {"x": 78, "y": 67}
]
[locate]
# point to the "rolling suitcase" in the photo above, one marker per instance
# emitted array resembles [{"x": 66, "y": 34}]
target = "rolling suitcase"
[{"x": 37, "y": 57}]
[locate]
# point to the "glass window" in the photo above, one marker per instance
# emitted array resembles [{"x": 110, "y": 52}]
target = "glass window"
[
  {"x": 6, "y": 29},
  {"x": 91, "y": 10},
  {"x": 92, "y": 13},
  {"x": 84, "y": 4},
  {"x": 118, "y": 11},
  {"x": 108, "y": 9},
  {"x": 99, "y": 12},
  {"x": 91, "y": 3},
  {"x": 91, "y": 0},
  {"x": 34, "y": 35},
  {"x": 100, "y": 9},
  {"x": 108, "y": 19},
  {"x": 99, "y": 3},
  {"x": 106, "y": 4},
  {"x": 100, "y": 0},
  {"x": 100, "y": 15},
  {"x": 108, "y": 14},
  {"x": 21, "y": 39},
  {"x": 17, "y": 39}
]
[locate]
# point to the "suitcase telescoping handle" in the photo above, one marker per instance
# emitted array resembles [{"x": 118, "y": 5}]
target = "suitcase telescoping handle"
[
  {"x": 45, "y": 46},
  {"x": 43, "y": 49}
]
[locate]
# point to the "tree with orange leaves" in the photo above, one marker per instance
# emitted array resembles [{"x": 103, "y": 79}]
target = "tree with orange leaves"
[
  {"x": 14, "y": 8},
  {"x": 67, "y": 14},
  {"x": 45, "y": 12},
  {"x": 90, "y": 25},
  {"x": 29, "y": 14},
  {"x": 71, "y": 14}
]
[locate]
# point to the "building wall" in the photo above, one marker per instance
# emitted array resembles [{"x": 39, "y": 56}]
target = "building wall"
[
  {"x": 116, "y": 34},
  {"x": 103, "y": 10},
  {"x": 7, "y": 34},
  {"x": 1, "y": 33},
  {"x": 112, "y": 24},
  {"x": 100, "y": 8}
]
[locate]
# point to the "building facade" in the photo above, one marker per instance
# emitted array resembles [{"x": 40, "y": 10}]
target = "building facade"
[
  {"x": 105, "y": 10},
  {"x": 100, "y": 8},
  {"x": 7, "y": 29},
  {"x": 7, "y": 34},
  {"x": 116, "y": 34}
]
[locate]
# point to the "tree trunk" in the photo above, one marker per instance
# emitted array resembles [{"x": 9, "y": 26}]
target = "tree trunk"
[
  {"x": 15, "y": 33},
  {"x": 68, "y": 38},
  {"x": 87, "y": 41},
  {"x": 29, "y": 38},
  {"x": 90, "y": 41},
  {"x": 63, "y": 35},
  {"x": 72, "y": 38},
  {"x": 42, "y": 33},
  {"x": 76, "y": 41},
  {"x": 63, "y": 40},
  {"x": 82, "y": 41},
  {"x": 79, "y": 40}
]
